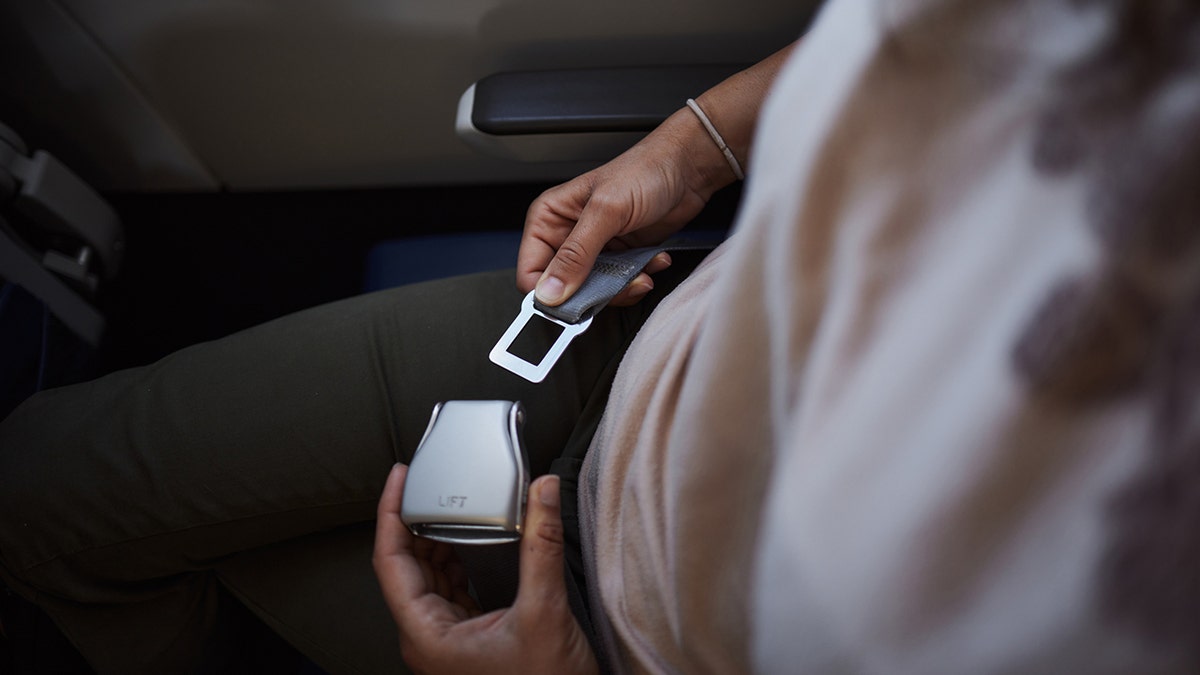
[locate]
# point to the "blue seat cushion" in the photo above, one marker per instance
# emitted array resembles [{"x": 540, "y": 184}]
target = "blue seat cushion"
[{"x": 410, "y": 260}]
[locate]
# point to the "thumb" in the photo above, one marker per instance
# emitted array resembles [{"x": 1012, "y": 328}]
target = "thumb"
[
  {"x": 568, "y": 269},
  {"x": 541, "y": 583},
  {"x": 600, "y": 221}
]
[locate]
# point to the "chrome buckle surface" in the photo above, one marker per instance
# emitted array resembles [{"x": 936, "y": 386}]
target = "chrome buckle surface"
[
  {"x": 468, "y": 480},
  {"x": 534, "y": 372}
]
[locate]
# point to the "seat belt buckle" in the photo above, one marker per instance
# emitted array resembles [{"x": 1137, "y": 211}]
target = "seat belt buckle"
[
  {"x": 469, "y": 478},
  {"x": 534, "y": 372}
]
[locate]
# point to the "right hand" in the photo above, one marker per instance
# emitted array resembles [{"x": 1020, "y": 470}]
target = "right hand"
[
  {"x": 638, "y": 199},
  {"x": 442, "y": 630}
]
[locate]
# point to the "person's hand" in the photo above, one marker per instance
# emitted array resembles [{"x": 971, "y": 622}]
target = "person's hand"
[
  {"x": 643, "y": 196},
  {"x": 442, "y": 629},
  {"x": 638, "y": 199}
]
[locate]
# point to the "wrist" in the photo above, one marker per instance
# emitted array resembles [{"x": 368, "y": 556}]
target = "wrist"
[
  {"x": 731, "y": 112},
  {"x": 719, "y": 140},
  {"x": 702, "y": 163}
]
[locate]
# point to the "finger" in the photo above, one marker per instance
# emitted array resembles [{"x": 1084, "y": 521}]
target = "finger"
[
  {"x": 442, "y": 584},
  {"x": 548, "y": 221},
  {"x": 534, "y": 255},
  {"x": 658, "y": 263},
  {"x": 460, "y": 582},
  {"x": 642, "y": 283},
  {"x": 601, "y": 220},
  {"x": 428, "y": 575},
  {"x": 635, "y": 291},
  {"x": 464, "y": 600},
  {"x": 442, "y": 553},
  {"x": 422, "y": 551},
  {"x": 441, "y": 561},
  {"x": 541, "y": 584},
  {"x": 423, "y": 547},
  {"x": 391, "y": 536},
  {"x": 460, "y": 588},
  {"x": 399, "y": 575}
]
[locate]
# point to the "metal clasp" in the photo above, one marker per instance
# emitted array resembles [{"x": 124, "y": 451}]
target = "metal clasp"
[{"x": 515, "y": 364}]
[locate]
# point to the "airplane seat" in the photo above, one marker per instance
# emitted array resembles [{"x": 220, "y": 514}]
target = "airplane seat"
[
  {"x": 397, "y": 262},
  {"x": 60, "y": 241}
]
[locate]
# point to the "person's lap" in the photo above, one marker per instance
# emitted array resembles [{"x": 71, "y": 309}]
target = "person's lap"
[{"x": 128, "y": 499}]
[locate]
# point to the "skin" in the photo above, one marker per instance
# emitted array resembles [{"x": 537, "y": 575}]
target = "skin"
[
  {"x": 638, "y": 199},
  {"x": 645, "y": 195},
  {"x": 442, "y": 629}
]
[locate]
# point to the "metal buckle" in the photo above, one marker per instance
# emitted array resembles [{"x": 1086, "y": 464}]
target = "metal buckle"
[
  {"x": 469, "y": 478},
  {"x": 530, "y": 371}
]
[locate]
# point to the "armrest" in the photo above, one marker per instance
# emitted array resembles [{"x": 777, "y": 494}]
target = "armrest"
[{"x": 576, "y": 115}]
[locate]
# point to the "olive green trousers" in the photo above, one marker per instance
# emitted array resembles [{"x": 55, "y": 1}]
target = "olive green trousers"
[{"x": 135, "y": 507}]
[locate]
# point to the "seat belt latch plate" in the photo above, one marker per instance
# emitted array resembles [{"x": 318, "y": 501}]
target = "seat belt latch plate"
[{"x": 534, "y": 372}]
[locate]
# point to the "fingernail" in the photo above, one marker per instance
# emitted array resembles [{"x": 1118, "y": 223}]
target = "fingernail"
[
  {"x": 548, "y": 492},
  {"x": 550, "y": 290}
]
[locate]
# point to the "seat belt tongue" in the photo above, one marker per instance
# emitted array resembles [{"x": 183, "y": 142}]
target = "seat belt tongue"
[
  {"x": 534, "y": 372},
  {"x": 609, "y": 276}
]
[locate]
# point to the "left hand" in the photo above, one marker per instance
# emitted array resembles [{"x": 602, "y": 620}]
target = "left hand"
[
  {"x": 640, "y": 198},
  {"x": 442, "y": 629}
]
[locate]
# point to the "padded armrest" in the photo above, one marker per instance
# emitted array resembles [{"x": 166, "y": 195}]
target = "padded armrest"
[
  {"x": 583, "y": 101},
  {"x": 576, "y": 115}
]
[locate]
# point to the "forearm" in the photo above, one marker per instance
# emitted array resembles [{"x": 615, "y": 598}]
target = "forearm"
[{"x": 733, "y": 107}]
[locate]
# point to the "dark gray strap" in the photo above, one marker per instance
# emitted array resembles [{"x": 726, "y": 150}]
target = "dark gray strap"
[{"x": 609, "y": 276}]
